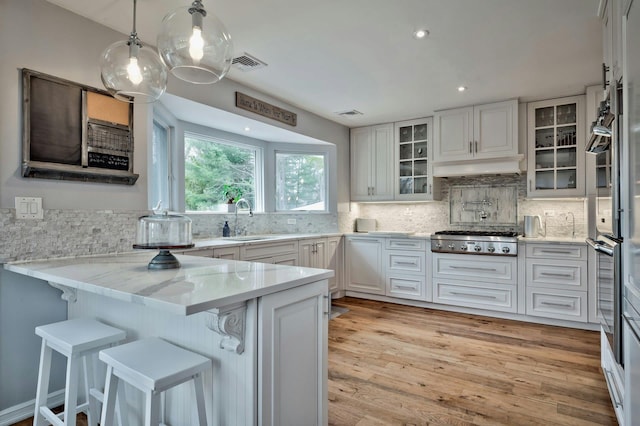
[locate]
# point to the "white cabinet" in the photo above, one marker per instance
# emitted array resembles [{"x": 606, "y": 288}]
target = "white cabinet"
[
  {"x": 484, "y": 282},
  {"x": 556, "y": 141},
  {"x": 230, "y": 253},
  {"x": 313, "y": 253},
  {"x": 479, "y": 132},
  {"x": 283, "y": 252},
  {"x": 372, "y": 163},
  {"x": 406, "y": 269},
  {"x": 292, "y": 356},
  {"x": 556, "y": 281},
  {"x": 364, "y": 264},
  {"x": 615, "y": 376},
  {"x": 335, "y": 259},
  {"x": 414, "y": 161}
]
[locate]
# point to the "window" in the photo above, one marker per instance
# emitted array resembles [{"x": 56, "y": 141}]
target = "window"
[
  {"x": 301, "y": 182},
  {"x": 159, "y": 188},
  {"x": 217, "y": 172}
]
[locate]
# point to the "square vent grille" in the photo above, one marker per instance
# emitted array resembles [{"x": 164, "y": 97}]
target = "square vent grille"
[{"x": 246, "y": 62}]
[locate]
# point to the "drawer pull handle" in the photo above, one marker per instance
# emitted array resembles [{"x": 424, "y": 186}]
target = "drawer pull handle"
[
  {"x": 470, "y": 268},
  {"x": 557, "y": 305},
  {"x": 405, "y": 244},
  {"x": 406, "y": 263},
  {"x": 555, "y": 251},
  {"x": 551, "y": 274},
  {"x": 613, "y": 390},
  {"x": 478, "y": 296},
  {"x": 405, "y": 287}
]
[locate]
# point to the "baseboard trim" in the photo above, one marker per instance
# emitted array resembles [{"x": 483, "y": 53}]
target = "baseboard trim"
[{"x": 25, "y": 410}]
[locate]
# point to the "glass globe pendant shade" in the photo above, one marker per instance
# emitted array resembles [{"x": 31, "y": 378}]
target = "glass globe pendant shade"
[
  {"x": 195, "y": 45},
  {"x": 133, "y": 73}
]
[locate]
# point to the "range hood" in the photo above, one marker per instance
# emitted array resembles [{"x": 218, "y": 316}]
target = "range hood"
[{"x": 492, "y": 166}]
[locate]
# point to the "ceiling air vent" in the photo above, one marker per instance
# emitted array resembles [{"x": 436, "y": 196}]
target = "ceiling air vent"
[
  {"x": 350, "y": 113},
  {"x": 247, "y": 62}
]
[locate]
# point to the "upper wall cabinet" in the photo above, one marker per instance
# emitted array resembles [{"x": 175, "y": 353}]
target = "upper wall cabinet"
[
  {"x": 611, "y": 13},
  {"x": 414, "y": 161},
  {"x": 475, "y": 136},
  {"x": 372, "y": 163},
  {"x": 556, "y": 140}
]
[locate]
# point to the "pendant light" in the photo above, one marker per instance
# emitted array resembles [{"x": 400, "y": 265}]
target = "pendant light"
[
  {"x": 195, "y": 45},
  {"x": 132, "y": 72}
]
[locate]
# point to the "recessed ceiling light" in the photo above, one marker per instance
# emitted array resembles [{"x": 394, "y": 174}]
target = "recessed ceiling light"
[
  {"x": 461, "y": 88},
  {"x": 420, "y": 34},
  {"x": 247, "y": 129}
]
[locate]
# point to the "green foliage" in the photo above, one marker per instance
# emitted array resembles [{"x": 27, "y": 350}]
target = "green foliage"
[
  {"x": 300, "y": 181},
  {"x": 213, "y": 170}
]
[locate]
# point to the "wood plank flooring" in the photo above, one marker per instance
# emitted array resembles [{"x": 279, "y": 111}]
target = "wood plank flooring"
[{"x": 397, "y": 365}]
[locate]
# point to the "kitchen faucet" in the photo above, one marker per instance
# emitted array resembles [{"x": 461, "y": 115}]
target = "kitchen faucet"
[{"x": 241, "y": 200}]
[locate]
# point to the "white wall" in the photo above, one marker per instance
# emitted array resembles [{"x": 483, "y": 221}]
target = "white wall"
[{"x": 38, "y": 35}]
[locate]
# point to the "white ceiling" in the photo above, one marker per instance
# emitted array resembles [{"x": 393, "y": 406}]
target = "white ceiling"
[{"x": 335, "y": 55}]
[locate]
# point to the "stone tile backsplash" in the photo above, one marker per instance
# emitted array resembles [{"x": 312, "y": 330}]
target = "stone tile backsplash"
[{"x": 64, "y": 233}]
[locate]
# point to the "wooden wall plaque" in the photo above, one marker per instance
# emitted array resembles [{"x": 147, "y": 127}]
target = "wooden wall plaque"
[{"x": 264, "y": 109}]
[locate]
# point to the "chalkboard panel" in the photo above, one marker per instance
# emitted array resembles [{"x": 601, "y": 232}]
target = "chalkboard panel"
[
  {"x": 108, "y": 161},
  {"x": 55, "y": 122}
]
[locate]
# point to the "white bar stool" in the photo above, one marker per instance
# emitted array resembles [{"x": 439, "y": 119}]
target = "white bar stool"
[
  {"x": 76, "y": 339},
  {"x": 153, "y": 366}
]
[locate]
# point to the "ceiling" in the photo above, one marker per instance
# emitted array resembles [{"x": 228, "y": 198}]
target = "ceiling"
[{"x": 335, "y": 55}]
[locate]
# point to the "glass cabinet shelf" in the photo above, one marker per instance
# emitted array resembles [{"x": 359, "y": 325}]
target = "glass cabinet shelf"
[
  {"x": 556, "y": 140},
  {"x": 413, "y": 163}
]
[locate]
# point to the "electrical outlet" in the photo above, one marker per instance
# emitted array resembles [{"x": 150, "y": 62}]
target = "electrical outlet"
[
  {"x": 549, "y": 213},
  {"x": 291, "y": 221}
]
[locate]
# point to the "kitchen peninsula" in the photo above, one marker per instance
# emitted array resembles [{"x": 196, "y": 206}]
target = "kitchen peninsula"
[{"x": 263, "y": 325}]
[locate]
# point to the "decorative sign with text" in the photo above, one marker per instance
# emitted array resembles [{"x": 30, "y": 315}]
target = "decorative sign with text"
[{"x": 266, "y": 110}]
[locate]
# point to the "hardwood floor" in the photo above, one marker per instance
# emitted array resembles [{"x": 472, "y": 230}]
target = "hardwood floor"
[{"x": 398, "y": 365}]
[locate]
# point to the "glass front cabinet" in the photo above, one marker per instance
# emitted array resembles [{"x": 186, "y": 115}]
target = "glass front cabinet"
[
  {"x": 556, "y": 143},
  {"x": 414, "y": 158}
]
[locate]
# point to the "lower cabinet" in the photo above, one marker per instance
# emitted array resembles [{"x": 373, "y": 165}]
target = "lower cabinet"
[
  {"x": 292, "y": 356},
  {"x": 335, "y": 262},
  {"x": 556, "y": 281},
  {"x": 230, "y": 253},
  {"x": 281, "y": 253},
  {"x": 364, "y": 264},
  {"x": 483, "y": 282}
]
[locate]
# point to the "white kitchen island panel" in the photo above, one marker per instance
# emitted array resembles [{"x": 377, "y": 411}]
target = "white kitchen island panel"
[{"x": 211, "y": 307}]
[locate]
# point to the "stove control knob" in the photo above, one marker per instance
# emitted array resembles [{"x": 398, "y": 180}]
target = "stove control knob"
[
  {"x": 438, "y": 245},
  {"x": 463, "y": 247},
  {"x": 451, "y": 246},
  {"x": 506, "y": 249},
  {"x": 477, "y": 248},
  {"x": 491, "y": 249}
]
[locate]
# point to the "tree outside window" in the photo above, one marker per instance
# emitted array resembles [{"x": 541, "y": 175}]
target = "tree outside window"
[
  {"x": 216, "y": 172},
  {"x": 300, "y": 182}
]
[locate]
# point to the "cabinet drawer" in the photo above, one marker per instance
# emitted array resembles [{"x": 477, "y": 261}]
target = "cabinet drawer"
[
  {"x": 557, "y": 251},
  {"x": 558, "y": 274},
  {"x": 405, "y": 262},
  {"x": 199, "y": 252},
  {"x": 495, "y": 297},
  {"x": 406, "y": 287},
  {"x": 476, "y": 268},
  {"x": 558, "y": 304},
  {"x": 405, "y": 244},
  {"x": 261, "y": 250}
]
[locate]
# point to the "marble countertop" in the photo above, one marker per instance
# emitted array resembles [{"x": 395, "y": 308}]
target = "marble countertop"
[
  {"x": 256, "y": 239},
  {"x": 200, "y": 284}
]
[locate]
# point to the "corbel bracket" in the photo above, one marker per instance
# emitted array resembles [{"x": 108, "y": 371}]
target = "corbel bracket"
[
  {"x": 68, "y": 293},
  {"x": 229, "y": 322}
]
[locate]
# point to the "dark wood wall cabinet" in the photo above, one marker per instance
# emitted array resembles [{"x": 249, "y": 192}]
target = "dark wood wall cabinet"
[{"x": 75, "y": 132}]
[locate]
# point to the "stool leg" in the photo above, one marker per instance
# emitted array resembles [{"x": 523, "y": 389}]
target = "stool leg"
[
  {"x": 71, "y": 394},
  {"x": 109, "y": 403},
  {"x": 121, "y": 410},
  {"x": 92, "y": 414},
  {"x": 42, "y": 392},
  {"x": 152, "y": 408},
  {"x": 202, "y": 411}
]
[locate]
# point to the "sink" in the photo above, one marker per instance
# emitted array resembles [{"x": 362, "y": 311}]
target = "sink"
[{"x": 249, "y": 238}]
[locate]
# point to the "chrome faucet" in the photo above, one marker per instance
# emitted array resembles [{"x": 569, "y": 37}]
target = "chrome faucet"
[{"x": 241, "y": 200}]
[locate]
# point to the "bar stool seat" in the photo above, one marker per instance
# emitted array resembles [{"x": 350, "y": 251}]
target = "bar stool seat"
[
  {"x": 153, "y": 366},
  {"x": 76, "y": 339}
]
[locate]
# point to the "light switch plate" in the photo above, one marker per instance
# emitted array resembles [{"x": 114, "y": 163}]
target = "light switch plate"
[{"x": 28, "y": 208}]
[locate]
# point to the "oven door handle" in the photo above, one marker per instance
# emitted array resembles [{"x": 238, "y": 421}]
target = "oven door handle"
[{"x": 599, "y": 247}]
